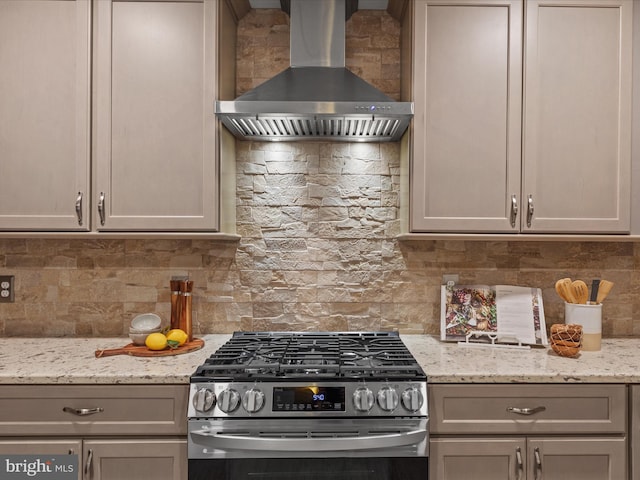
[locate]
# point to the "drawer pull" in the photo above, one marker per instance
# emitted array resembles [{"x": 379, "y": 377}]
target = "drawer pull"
[
  {"x": 526, "y": 411},
  {"x": 83, "y": 411}
]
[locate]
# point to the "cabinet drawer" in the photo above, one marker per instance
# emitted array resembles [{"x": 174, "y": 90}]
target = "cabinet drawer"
[
  {"x": 485, "y": 409},
  {"x": 126, "y": 409}
]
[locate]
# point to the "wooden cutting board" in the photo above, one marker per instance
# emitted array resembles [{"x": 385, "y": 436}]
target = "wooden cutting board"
[{"x": 143, "y": 351}]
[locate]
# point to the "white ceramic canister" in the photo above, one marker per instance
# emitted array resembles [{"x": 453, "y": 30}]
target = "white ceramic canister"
[{"x": 590, "y": 317}]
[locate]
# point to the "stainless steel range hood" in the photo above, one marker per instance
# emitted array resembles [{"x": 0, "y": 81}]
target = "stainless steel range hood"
[{"x": 316, "y": 97}]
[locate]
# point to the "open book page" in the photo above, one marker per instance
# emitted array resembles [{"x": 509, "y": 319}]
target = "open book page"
[
  {"x": 518, "y": 315},
  {"x": 513, "y": 314},
  {"x": 465, "y": 309}
]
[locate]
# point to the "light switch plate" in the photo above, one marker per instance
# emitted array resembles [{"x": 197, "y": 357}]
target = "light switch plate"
[{"x": 7, "y": 289}]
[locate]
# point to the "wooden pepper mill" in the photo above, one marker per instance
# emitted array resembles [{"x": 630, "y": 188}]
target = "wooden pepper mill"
[{"x": 181, "y": 305}]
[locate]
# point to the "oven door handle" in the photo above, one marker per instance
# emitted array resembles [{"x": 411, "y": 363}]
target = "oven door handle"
[{"x": 307, "y": 444}]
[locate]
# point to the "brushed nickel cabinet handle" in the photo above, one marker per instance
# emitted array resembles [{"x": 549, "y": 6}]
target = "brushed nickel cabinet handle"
[
  {"x": 526, "y": 411},
  {"x": 101, "y": 208},
  {"x": 519, "y": 464},
  {"x": 538, "y": 474},
  {"x": 87, "y": 465},
  {"x": 79, "y": 208},
  {"x": 514, "y": 210},
  {"x": 81, "y": 412},
  {"x": 529, "y": 210}
]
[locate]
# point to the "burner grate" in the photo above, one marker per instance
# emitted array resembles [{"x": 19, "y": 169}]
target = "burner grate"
[{"x": 288, "y": 356}]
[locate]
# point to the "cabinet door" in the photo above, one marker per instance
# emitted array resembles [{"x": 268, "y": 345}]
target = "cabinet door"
[
  {"x": 136, "y": 459},
  {"x": 634, "y": 431},
  {"x": 44, "y": 118},
  {"x": 155, "y": 142},
  {"x": 38, "y": 446},
  {"x": 577, "y": 115},
  {"x": 478, "y": 458},
  {"x": 467, "y": 126},
  {"x": 588, "y": 458}
]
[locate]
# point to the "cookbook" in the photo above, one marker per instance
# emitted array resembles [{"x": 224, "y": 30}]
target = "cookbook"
[{"x": 506, "y": 314}]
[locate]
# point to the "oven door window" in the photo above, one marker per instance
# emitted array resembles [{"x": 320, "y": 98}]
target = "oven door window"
[{"x": 310, "y": 469}]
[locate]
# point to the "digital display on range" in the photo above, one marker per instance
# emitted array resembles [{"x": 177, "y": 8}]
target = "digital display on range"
[{"x": 308, "y": 399}]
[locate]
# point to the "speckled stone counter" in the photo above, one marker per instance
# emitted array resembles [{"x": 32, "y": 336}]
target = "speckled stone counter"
[
  {"x": 617, "y": 362},
  {"x": 72, "y": 361}
]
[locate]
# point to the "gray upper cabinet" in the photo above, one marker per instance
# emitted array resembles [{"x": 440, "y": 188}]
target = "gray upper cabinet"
[
  {"x": 135, "y": 150},
  {"x": 44, "y": 114},
  {"x": 155, "y": 142},
  {"x": 467, "y": 94},
  {"x": 522, "y": 118},
  {"x": 577, "y": 116}
]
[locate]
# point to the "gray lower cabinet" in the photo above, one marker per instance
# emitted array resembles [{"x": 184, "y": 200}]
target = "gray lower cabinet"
[
  {"x": 134, "y": 459},
  {"x": 551, "y": 458},
  {"x": 527, "y": 432},
  {"x": 113, "y": 458},
  {"x": 123, "y": 432},
  {"x": 634, "y": 432}
]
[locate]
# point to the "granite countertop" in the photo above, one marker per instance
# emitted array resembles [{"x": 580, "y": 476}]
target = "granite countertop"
[
  {"x": 616, "y": 362},
  {"x": 73, "y": 361}
]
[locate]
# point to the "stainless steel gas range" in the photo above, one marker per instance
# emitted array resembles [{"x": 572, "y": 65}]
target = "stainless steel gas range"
[{"x": 303, "y": 405}]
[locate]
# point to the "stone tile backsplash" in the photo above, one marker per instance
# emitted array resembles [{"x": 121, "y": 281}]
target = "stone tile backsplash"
[
  {"x": 291, "y": 271},
  {"x": 318, "y": 249}
]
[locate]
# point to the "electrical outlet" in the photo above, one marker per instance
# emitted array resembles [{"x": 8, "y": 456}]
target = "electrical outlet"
[
  {"x": 7, "y": 289},
  {"x": 450, "y": 277}
]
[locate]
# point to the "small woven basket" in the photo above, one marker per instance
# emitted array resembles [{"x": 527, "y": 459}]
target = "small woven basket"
[{"x": 566, "y": 340}]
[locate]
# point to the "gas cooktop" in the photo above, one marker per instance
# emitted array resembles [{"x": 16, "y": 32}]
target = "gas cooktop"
[{"x": 291, "y": 356}]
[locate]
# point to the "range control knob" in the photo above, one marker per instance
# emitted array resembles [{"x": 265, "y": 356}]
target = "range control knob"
[
  {"x": 363, "y": 399},
  {"x": 412, "y": 399},
  {"x": 253, "y": 400},
  {"x": 387, "y": 399},
  {"x": 228, "y": 400},
  {"x": 204, "y": 400}
]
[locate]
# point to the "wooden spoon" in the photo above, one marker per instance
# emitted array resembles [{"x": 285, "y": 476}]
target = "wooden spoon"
[
  {"x": 560, "y": 290},
  {"x": 603, "y": 291},
  {"x": 567, "y": 289},
  {"x": 580, "y": 291}
]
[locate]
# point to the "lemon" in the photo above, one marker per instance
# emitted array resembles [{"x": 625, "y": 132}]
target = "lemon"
[
  {"x": 156, "y": 341},
  {"x": 178, "y": 336}
]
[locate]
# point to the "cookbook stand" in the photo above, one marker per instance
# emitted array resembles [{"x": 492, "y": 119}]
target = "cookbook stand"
[{"x": 506, "y": 341}]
